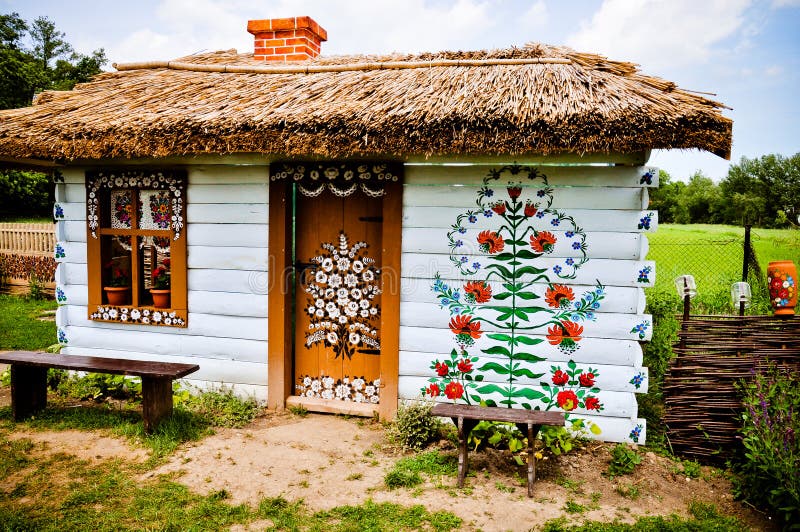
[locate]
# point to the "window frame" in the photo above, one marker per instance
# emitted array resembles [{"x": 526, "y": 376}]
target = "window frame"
[{"x": 100, "y": 184}]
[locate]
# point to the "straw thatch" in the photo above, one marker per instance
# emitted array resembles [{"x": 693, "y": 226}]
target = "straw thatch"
[{"x": 536, "y": 99}]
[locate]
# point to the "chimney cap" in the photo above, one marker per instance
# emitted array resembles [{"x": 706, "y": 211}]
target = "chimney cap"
[{"x": 294, "y": 23}]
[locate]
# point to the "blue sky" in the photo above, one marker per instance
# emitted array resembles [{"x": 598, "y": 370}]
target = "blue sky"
[{"x": 746, "y": 52}]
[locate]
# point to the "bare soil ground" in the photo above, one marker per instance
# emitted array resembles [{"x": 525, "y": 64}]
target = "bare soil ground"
[{"x": 329, "y": 461}]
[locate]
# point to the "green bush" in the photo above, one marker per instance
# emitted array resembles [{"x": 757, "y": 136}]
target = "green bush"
[
  {"x": 25, "y": 194},
  {"x": 624, "y": 460},
  {"x": 767, "y": 476},
  {"x": 220, "y": 407},
  {"x": 415, "y": 427},
  {"x": 97, "y": 386}
]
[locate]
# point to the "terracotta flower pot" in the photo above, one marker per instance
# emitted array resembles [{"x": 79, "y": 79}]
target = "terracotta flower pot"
[
  {"x": 160, "y": 298},
  {"x": 117, "y": 295},
  {"x": 782, "y": 283}
]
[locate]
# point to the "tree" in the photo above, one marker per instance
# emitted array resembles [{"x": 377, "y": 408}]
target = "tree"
[
  {"x": 50, "y": 63},
  {"x": 763, "y": 191},
  {"x": 665, "y": 198},
  {"x": 698, "y": 202}
]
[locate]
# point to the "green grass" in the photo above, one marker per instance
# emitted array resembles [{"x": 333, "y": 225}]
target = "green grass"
[
  {"x": 713, "y": 253},
  {"x": 703, "y": 518},
  {"x": 406, "y": 472},
  {"x": 20, "y": 327}
]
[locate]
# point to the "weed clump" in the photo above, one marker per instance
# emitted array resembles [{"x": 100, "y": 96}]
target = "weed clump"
[{"x": 415, "y": 427}]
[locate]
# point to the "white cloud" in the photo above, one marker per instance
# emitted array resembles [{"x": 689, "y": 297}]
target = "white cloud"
[
  {"x": 785, "y": 3},
  {"x": 773, "y": 70},
  {"x": 660, "y": 34},
  {"x": 536, "y": 16}
]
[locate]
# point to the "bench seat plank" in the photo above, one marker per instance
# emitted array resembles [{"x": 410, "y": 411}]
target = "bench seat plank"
[
  {"x": 29, "y": 380},
  {"x": 136, "y": 368}
]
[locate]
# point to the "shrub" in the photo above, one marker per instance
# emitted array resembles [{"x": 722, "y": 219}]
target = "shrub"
[
  {"x": 220, "y": 407},
  {"x": 624, "y": 460},
  {"x": 97, "y": 386},
  {"x": 415, "y": 427},
  {"x": 767, "y": 475}
]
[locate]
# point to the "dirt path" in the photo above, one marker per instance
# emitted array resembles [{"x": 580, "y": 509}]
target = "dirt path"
[{"x": 330, "y": 461}]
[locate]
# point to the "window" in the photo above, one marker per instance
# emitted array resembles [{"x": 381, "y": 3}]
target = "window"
[{"x": 136, "y": 246}]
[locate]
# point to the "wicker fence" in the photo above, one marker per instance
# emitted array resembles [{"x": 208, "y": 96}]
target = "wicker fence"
[
  {"x": 712, "y": 355},
  {"x": 26, "y": 249}
]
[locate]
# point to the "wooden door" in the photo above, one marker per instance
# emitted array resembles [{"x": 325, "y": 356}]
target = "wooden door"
[{"x": 337, "y": 296}]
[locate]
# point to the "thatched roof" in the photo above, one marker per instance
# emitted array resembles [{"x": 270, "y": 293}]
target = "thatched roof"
[{"x": 531, "y": 100}]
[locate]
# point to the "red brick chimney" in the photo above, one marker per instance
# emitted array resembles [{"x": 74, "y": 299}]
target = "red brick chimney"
[{"x": 286, "y": 39}]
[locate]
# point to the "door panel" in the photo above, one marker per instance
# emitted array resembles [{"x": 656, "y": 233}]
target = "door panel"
[{"x": 337, "y": 302}]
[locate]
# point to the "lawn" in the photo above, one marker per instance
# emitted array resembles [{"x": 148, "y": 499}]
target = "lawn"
[
  {"x": 713, "y": 253},
  {"x": 20, "y": 326}
]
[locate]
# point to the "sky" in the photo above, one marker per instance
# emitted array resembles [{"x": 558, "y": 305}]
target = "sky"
[{"x": 745, "y": 52}]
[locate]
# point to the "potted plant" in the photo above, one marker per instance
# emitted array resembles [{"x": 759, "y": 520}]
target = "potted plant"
[
  {"x": 118, "y": 288},
  {"x": 160, "y": 290}
]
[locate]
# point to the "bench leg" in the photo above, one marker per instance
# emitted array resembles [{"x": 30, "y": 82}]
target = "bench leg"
[
  {"x": 531, "y": 430},
  {"x": 28, "y": 390},
  {"x": 156, "y": 401},
  {"x": 465, "y": 426}
]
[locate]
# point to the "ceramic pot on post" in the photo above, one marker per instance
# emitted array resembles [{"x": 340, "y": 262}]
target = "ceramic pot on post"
[
  {"x": 117, "y": 295},
  {"x": 782, "y": 283},
  {"x": 160, "y": 297}
]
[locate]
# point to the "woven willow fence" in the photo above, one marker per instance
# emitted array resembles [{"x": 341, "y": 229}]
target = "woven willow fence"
[
  {"x": 712, "y": 355},
  {"x": 27, "y": 249}
]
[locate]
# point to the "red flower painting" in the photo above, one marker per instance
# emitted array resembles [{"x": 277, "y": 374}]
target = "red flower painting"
[
  {"x": 559, "y": 296},
  {"x": 442, "y": 369},
  {"x": 464, "y": 365},
  {"x": 560, "y": 378},
  {"x": 514, "y": 192},
  {"x": 566, "y": 330},
  {"x": 586, "y": 380},
  {"x": 499, "y": 207},
  {"x": 592, "y": 403},
  {"x": 434, "y": 391},
  {"x": 543, "y": 242},
  {"x": 490, "y": 242},
  {"x": 478, "y": 291},
  {"x": 463, "y": 325},
  {"x": 454, "y": 390},
  {"x": 567, "y": 400},
  {"x": 530, "y": 209}
]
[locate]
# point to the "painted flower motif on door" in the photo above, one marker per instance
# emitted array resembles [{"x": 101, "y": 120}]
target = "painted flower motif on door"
[
  {"x": 342, "y": 287},
  {"x": 516, "y": 296}
]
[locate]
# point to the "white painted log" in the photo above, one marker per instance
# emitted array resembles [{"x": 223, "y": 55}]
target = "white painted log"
[
  {"x": 222, "y": 235},
  {"x": 73, "y": 211},
  {"x": 75, "y": 193},
  {"x": 69, "y": 274},
  {"x": 645, "y": 199},
  {"x": 613, "y": 429},
  {"x": 591, "y": 351},
  {"x": 614, "y": 326},
  {"x": 564, "y": 197},
  {"x": 228, "y": 258},
  {"x": 62, "y": 317},
  {"x": 618, "y": 299},
  {"x": 607, "y": 271},
  {"x": 73, "y": 231},
  {"x": 609, "y": 378},
  {"x": 233, "y": 174},
  {"x": 244, "y": 213},
  {"x": 75, "y": 175},
  {"x": 227, "y": 193},
  {"x": 601, "y": 245},
  {"x": 589, "y": 219},
  {"x": 161, "y": 341},
  {"x": 246, "y": 328},
  {"x": 221, "y": 371},
  {"x": 61, "y": 193},
  {"x": 227, "y": 304},
  {"x": 615, "y": 404},
  {"x": 74, "y": 252},
  {"x": 601, "y": 176},
  {"x": 631, "y": 159},
  {"x": 242, "y": 391},
  {"x": 235, "y": 281}
]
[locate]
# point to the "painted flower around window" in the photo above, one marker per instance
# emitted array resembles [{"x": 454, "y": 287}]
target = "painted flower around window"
[{"x": 349, "y": 389}]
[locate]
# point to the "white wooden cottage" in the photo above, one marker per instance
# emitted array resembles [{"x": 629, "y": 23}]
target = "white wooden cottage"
[{"x": 348, "y": 232}]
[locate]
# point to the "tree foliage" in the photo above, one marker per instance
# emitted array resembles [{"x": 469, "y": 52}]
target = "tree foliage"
[
  {"x": 764, "y": 192},
  {"x": 35, "y": 57}
]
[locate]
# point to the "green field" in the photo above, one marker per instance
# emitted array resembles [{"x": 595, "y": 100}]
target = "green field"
[{"x": 713, "y": 255}]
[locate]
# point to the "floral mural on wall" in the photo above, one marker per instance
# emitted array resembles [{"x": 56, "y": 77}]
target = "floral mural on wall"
[{"x": 498, "y": 301}]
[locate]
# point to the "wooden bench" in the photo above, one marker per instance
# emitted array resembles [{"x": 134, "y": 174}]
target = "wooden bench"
[
  {"x": 466, "y": 417},
  {"x": 29, "y": 380}
]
